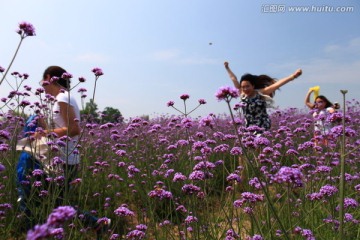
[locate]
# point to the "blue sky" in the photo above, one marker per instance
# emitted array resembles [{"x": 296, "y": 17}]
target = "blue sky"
[{"x": 154, "y": 51}]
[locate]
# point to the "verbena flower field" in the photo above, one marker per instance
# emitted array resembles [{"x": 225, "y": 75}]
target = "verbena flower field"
[{"x": 177, "y": 177}]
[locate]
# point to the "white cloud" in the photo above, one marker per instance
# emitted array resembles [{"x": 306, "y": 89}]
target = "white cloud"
[
  {"x": 333, "y": 71},
  {"x": 322, "y": 70},
  {"x": 339, "y": 64},
  {"x": 351, "y": 47},
  {"x": 354, "y": 44},
  {"x": 332, "y": 48}
]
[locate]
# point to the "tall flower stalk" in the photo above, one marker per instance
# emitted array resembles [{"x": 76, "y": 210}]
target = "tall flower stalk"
[
  {"x": 184, "y": 97},
  {"x": 227, "y": 94},
  {"x": 25, "y": 30},
  {"x": 342, "y": 171},
  {"x": 98, "y": 72}
]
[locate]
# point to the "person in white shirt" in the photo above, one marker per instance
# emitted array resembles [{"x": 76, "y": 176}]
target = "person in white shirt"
[
  {"x": 322, "y": 109},
  {"x": 64, "y": 121},
  {"x": 65, "y": 114}
]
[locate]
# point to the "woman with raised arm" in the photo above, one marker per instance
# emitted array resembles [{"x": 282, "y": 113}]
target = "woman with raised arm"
[
  {"x": 256, "y": 92},
  {"x": 322, "y": 109}
]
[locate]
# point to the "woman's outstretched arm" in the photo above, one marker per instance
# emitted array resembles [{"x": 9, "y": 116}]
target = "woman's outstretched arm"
[
  {"x": 232, "y": 76},
  {"x": 307, "y": 99},
  {"x": 272, "y": 88}
]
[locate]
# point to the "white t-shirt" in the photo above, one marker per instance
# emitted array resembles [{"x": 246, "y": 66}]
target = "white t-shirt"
[
  {"x": 321, "y": 124},
  {"x": 59, "y": 123}
]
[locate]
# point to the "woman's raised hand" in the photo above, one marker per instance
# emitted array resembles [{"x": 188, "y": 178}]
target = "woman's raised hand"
[{"x": 297, "y": 73}]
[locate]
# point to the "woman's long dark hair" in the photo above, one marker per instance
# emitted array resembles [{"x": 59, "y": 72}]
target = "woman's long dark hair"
[
  {"x": 327, "y": 102},
  {"x": 56, "y": 71},
  {"x": 258, "y": 82}
]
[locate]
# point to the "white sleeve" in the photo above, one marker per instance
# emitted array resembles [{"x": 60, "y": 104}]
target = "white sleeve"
[{"x": 64, "y": 97}]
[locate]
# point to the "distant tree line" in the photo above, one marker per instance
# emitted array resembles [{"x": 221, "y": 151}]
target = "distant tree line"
[{"x": 109, "y": 114}]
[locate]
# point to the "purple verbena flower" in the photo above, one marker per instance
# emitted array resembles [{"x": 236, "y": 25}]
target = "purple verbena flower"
[
  {"x": 197, "y": 175},
  {"x": 37, "y": 172},
  {"x": 170, "y": 103},
  {"x": 231, "y": 233},
  {"x": 328, "y": 190},
  {"x": 5, "y": 134},
  {"x": 236, "y": 151},
  {"x": 202, "y": 101},
  {"x": 222, "y": 148},
  {"x": 184, "y": 96},
  {"x": 256, "y": 237},
  {"x": 315, "y": 196},
  {"x": 165, "y": 223},
  {"x": 26, "y": 29},
  {"x": 179, "y": 177},
  {"x": 190, "y": 219},
  {"x": 124, "y": 211},
  {"x": 2, "y": 167},
  {"x": 66, "y": 75},
  {"x": 190, "y": 189},
  {"x": 82, "y": 90},
  {"x": 350, "y": 203},
  {"x": 181, "y": 208},
  {"x": 233, "y": 177},
  {"x": 308, "y": 234},
  {"x": 141, "y": 227},
  {"x": 57, "y": 233},
  {"x": 135, "y": 235},
  {"x": 60, "y": 215},
  {"x": 252, "y": 197},
  {"x": 204, "y": 165},
  {"x": 160, "y": 194},
  {"x": 39, "y": 232},
  {"x": 289, "y": 175},
  {"x": 115, "y": 236},
  {"x": 254, "y": 182},
  {"x": 97, "y": 71},
  {"x": 206, "y": 121},
  {"x": 226, "y": 93}
]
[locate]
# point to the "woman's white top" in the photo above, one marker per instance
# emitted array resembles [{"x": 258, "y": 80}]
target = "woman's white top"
[
  {"x": 322, "y": 125},
  {"x": 70, "y": 157}
]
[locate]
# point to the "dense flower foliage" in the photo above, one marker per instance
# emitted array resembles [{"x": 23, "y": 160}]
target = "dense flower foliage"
[{"x": 178, "y": 177}]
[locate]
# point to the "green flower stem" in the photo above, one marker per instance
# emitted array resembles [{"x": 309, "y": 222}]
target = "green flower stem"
[
  {"x": 185, "y": 109},
  {"x": 258, "y": 175},
  {"x": 256, "y": 223},
  {"x": 93, "y": 96},
  {"x": 342, "y": 172},
  {"x": 178, "y": 110},
  {"x": 12, "y": 61}
]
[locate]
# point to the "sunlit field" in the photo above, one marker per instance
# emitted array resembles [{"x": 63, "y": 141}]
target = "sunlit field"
[{"x": 178, "y": 177}]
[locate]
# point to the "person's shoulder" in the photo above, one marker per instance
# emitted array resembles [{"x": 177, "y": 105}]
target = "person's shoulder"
[
  {"x": 62, "y": 94},
  {"x": 64, "y": 97},
  {"x": 330, "y": 109}
]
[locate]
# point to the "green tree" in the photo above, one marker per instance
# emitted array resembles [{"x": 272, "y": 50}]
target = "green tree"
[
  {"x": 111, "y": 114},
  {"x": 90, "y": 111}
]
